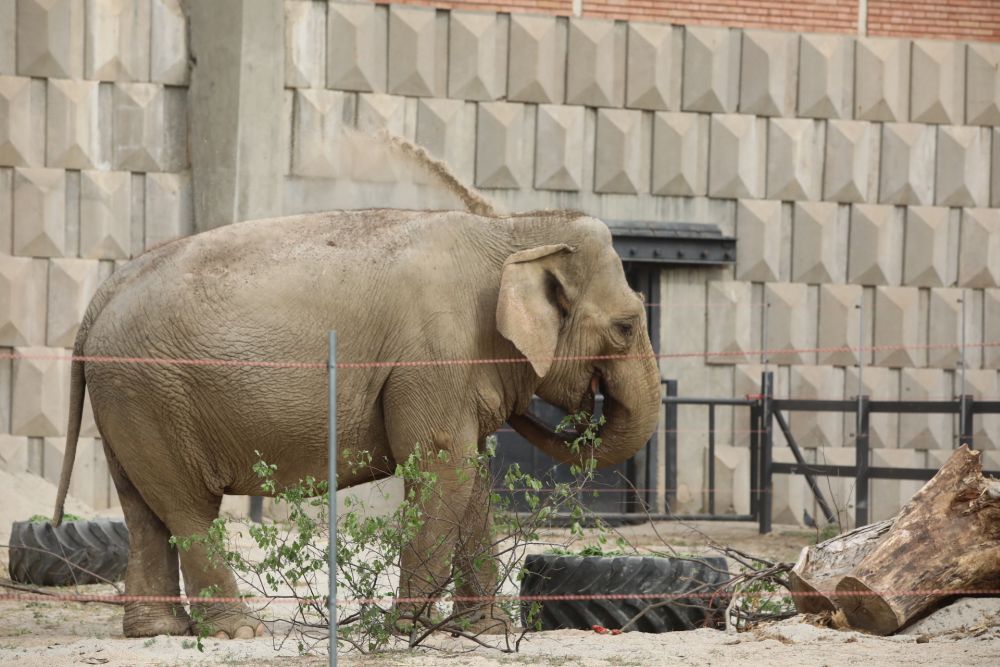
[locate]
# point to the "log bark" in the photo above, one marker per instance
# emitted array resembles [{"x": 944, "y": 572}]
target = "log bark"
[
  {"x": 945, "y": 540},
  {"x": 820, "y": 567}
]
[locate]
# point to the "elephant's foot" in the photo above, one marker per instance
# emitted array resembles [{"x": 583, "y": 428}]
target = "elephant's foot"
[
  {"x": 224, "y": 621},
  {"x": 149, "y": 619},
  {"x": 490, "y": 620}
]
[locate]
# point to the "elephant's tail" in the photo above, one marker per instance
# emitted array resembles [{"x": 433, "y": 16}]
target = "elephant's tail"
[{"x": 77, "y": 391}]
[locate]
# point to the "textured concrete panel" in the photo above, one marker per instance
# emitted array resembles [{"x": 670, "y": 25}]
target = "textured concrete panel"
[
  {"x": 982, "y": 106},
  {"x": 907, "y": 169},
  {"x": 819, "y": 243},
  {"x": 105, "y": 214},
  {"x": 23, "y": 290},
  {"x": 983, "y": 385},
  {"x": 90, "y": 481},
  {"x": 816, "y": 429},
  {"x": 13, "y": 452},
  {"x": 318, "y": 122},
  {"x": 501, "y": 156},
  {"x": 8, "y": 45},
  {"x": 169, "y": 212},
  {"x": 381, "y": 112},
  {"x": 357, "y": 46},
  {"x": 826, "y": 76},
  {"x": 787, "y": 329},
  {"x": 938, "y": 94},
  {"x": 50, "y": 38},
  {"x": 978, "y": 265},
  {"x": 711, "y": 69},
  {"x": 168, "y": 62},
  {"x": 595, "y": 69},
  {"x": 447, "y": 128},
  {"x": 41, "y": 393},
  {"x": 839, "y": 319},
  {"x": 737, "y": 156},
  {"x": 477, "y": 56},
  {"x": 680, "y": 154},
  {"x": 852, "y": 161},
  {"x": 882, "y": 88},
  {"x": 945, "y": 331},
  {"x": 305, "y": 44},
  {"x": 150, "y": 127},
  {"x": 116, "y": 42},
  {"x": 878, "y": 384},
  {"x": 747, "y": 381},
  {"x": 559, "y": 147},
  {"x": 790, "y": 495},
  {"x": 537, "y": 69},
  {"x": 991, "y": 330},
  {"x": 897, "y": 326},
  {"x": 22, "y": 122},
  {"x": 928, "y": 247},
  {"x": 729, "y": 322},
  {"x": 962, "y": 177},
  {"x": 6, "y": 210},
  {"x": 759, "y": 230},
  {"x": 925, "y": 430},
  {"x": 794, "y": 159},
  {"x": 620, "y": 155},
  {"x": 732, "y": 480},
  {"x": 876, "y": 245},
  {"x": 415, "y": 44},
  {"x": 655, "y": 58},
  {"x": 769, "y": 73},
  {"x": 72, "y": 283},
  {"x": 889, "y": 495},
  {"x": 78, "y": 125},
  {"x": 40, "y": 212}
]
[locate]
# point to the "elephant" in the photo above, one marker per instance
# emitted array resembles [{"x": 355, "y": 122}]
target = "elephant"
[{"x": 543, "y": 291}]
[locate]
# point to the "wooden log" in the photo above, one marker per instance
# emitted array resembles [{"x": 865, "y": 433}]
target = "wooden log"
[
  {"x": 820, "y": 567},
  {"x": 945, "y": 540}
]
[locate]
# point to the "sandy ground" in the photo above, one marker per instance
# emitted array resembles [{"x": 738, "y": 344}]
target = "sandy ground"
[{"x": 47, "y": 634}]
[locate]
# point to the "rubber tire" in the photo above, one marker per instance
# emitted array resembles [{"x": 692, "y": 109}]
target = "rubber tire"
[
  {"x": 99, "y": 546},
  {"x": 581, "y": 575}
]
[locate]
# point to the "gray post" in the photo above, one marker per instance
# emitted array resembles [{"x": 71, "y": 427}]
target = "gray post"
[{"x": 332, "y": 492}]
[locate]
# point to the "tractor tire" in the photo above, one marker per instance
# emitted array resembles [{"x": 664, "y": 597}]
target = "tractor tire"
[
  {"x": 77, "y": 552},
  {"x": 546, "y": 575}
]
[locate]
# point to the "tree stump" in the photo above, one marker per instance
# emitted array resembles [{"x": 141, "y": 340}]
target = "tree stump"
[
  {"x": 946, "y": 540},
  {"x": 821, "y": 567}
]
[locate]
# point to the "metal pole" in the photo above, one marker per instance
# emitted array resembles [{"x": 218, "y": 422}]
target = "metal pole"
[
  {"x": 861, "y": 455},
  {"x": 670, "y": 444},
  {"x": 711, "y": 458},
  {"x": 766, "y": 473},
  {"x": 962, "y": 301},
  {"x": 332, "y": 493},
  {"x": 861, "y": 349}
]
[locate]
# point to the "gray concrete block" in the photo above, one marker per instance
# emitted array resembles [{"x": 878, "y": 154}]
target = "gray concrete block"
[
  {"x": 925, "y": 430},
  {"x": 769, "y": 73},
  {"x": 22, "y": 122},
  {"x": 13, "y": 452},
  {"x": 654, "y": 65},
  {"x": 372, "y": 160},
  {"x": 40, "y": 404},
  {"x": 6, "y": 211},
  {"x": 930, "y": 249},
  {"x": 938, "y": 94},
  {"x": 788, "y": 332},
  {"x": 595, "y": 67},
  {"x": 945, "y": 333},
  {"x": 8, "y": 37},
  {"x": 621, "y": 155},
  {"x": 357, "y": 45},
  {"x": 105, "y": 214},
  {"x": 794, "y": 159},
  {"x": 790, "y": 495},
  {"x": 759, "y": 230},
  {"x": 817, "y": 429},
  {"x": 991, "y": 328},
  {"x": 381, "y": 112},
  {"x": 962, "y": 177},
  {"x": 23, "y": 289},
  {"x": 417, "y": 42},
  {"x": 737, "y": 165},
  {"x": 90, "y": 481},
  {"x": 477, "y": 55},
  {"x": 711, "y": 69},
  {"x": 559, "y": 147},
  {"x": 168, "y": 62},
  {"x": 305, "y": 44},
  {"x": 447, "y": 128},
  {"x": 826, "y": 76},
  {"x": 50, "y": 38},
  {"x": 732, "y": 480},
  {"x": 888, "y": 496},
  {"x": 318, "y": 122},
  {"x": 906, "y": 173},
  {"x": 150, "y": 127},
  {"x": 78, "y": 125},
  {"x": 897, "y": 328},
  {"x": 851, "y": 166},
  {"x": 878, "y": 384},
  {"x": 729, "y": 322},
  {"x": 983, "y": 385},
  {"x": 116, "y": 40},
  {"x": 979, "y": 248},
  {"x": 39, "y": 212},
  {"x": 876, "y": 243},
  {"x": 169, "y": 208},
  {"x": 982, "y": 101},
  {"x": 537, "y": 66},
  {"x": 502, "y": 156},
  {"x": 680, "y": 154},
  {"x": 839, "y": 319},
  {"x": 882, "y": 92},
  {"x": 819, "y": 243},
  {"x": 72, "y": 283}
]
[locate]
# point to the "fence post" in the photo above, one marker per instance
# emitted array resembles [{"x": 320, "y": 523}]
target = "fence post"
[
  {"x": 966, "y": 414},
  {"x": 755, "y": 414},
  {"x": 332, "y": 494},
  {"x": 861, "y": 456},
  {"x": 711, "y": 458},
  {"x": 670, "y": 443},
  {"x": 767, "y": 423}
]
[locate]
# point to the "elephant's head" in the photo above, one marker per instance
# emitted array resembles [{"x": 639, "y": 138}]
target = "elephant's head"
[{"x": 565, "y": 304}]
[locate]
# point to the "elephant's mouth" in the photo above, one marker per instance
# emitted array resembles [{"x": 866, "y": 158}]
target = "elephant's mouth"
[{"x": 587, "y": 400}]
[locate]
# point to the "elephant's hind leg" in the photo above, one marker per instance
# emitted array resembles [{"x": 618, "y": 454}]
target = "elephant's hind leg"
[{"x": 152, "y": 565}]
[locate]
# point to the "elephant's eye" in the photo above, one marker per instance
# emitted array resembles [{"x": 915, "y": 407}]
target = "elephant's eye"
[{"x": 624, "y": 328}]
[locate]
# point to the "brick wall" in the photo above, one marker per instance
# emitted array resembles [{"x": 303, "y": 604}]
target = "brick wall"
[{"x": 955, "y": 19}]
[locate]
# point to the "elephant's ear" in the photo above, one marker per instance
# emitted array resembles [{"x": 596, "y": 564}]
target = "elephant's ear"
[{"x": 529, "y": 312}]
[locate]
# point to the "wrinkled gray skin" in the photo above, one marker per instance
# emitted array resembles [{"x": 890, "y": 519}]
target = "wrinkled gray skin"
[{"x": 396, "y": 286}]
